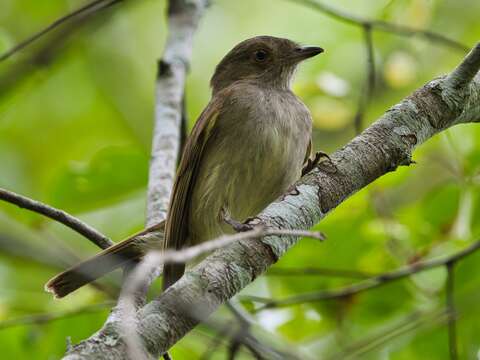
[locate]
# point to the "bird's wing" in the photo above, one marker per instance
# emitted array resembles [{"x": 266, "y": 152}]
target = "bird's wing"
[
  {"x": 309, "y": 152},
  {"x": 176, "y": 229}
]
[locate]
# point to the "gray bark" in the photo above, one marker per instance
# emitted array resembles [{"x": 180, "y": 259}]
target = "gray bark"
[
  {"x": 172, "y": 71},
  {"x": 381, "y": 148}
]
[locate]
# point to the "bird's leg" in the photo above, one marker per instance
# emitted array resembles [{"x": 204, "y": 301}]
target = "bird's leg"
[
  {"x": 311, "y": 163},
  {"x": 235, "y": 224}
]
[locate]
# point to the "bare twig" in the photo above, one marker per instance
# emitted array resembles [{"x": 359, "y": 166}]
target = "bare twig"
[
  {"x": 466, "y": 71},
  {"x": 156, "y": 258},
  {"x": 51, "y": 316},
  {"x": 170, "y": 114},
  {"x": 83, "y": 11},
  {"x": 170, "y": 120},
  {"x": 232, "y": 332},
  {"x": 136, "y": 280},
  {"x": 58, "y": 215},
  {"x": 382, "y": 25},
  {"x": 368, "y": 284},
  {"x": 233, "y": 349},
  {"x": 367, "y": 94},
  {"x": 316, "y": 271},
  {"x": 46, "y": 51}
]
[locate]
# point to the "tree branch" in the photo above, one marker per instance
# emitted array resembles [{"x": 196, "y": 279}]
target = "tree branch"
[
  {"x": 45, "y": 52},
  {"x": 318, "y": 271},
  {"x": 58, "y": 215},
  {"x": 381, "y": 148},
  {"x": 83, "y": 11},
  {"x": 369, "y": 87},
  {"x": 371, "y": 283},
  {"x": 183, "y": 18},
  {"x": 384, "y": 26},
  {"x": 170, "y": 117}
]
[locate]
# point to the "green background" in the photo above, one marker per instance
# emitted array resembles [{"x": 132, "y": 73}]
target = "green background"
[{"x": 75, "y": 132}]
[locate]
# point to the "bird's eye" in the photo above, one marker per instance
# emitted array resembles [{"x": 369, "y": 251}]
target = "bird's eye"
[{"x": 261, "y": 55}]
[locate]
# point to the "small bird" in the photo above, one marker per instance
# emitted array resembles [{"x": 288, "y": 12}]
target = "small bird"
[{"x": 251, "y": 142}]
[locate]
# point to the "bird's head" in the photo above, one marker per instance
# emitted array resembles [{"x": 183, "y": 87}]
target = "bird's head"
[{"x": 269, "y": 60}]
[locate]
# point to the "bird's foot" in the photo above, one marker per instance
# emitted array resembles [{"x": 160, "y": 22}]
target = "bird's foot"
[
  {"x": 235, "y": 224},
  {"x": 312, "y": 163}
]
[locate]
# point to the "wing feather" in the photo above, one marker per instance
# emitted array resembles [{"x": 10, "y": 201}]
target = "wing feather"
[{"x": 176, "y": 228}]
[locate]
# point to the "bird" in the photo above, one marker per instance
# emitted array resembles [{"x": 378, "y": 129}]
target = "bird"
[{"x": 249, "y": 145}]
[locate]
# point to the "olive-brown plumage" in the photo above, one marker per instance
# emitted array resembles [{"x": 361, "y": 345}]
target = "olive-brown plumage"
[{"x": 247, "y": 147}]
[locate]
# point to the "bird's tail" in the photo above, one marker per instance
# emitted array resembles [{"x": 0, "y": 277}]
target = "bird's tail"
[{"x": 108, "y": 260}]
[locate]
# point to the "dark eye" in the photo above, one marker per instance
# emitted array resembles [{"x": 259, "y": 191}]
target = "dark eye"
[{"x": 260, "y": 55}]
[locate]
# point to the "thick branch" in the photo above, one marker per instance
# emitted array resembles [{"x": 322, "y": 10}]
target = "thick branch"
[
  {"x": 381, "y": 148},
  {"x": 58, "y": 215}
]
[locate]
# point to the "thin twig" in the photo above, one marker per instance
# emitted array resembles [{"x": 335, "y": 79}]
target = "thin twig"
[
  {"x": 170, "y": 118},
  {"x": 85, "y": 10},
  {"x": 170, "y": 123},
  {"x": 51, "y": 316},
  {"x": 317, "y": 271},
  {"x": 382, "y": 25},
  {"x": 258, "y": 347},
  {"x": 466, "y": 70},
  {"x": 450, "y": 303},
  {"x": 135, "y": 283},
  {"x": 58, "y": 215},
  {"x": 374, "y": 282},
  {"x": 367, "y": 94},
  {"x": 156, "y": 258},
  {"x": 45, "y": 52},
  {"x": 233, "y": 349},
  {"x": 216, "y": 342}
]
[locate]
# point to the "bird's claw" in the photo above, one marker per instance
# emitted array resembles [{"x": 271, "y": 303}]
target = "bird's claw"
[
  {"x": 312, "y": 163},
  {"x": 235, "y": 224}
]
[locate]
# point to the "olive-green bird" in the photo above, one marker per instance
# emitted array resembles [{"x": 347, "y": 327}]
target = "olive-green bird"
[{"x": 247, "y": 147}]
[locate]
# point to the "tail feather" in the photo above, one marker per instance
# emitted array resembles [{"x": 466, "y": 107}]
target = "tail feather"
[{"x": 108, "y": 260}]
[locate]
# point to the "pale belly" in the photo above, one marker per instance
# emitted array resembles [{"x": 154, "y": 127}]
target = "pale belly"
[{"x": 243, "y": 173}]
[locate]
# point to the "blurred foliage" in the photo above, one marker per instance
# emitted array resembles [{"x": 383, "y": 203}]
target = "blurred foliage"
[{"x": 75, "y": 133}]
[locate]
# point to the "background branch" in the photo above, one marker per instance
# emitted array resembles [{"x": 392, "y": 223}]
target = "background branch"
[
  {"x": 183, "y": 18},
  {"x": 84, "y": 11},
  {"x": 374, "y": 282},
  {"x": 318, "y": 271},
  {"x": 46, "y": 51},
  {"x": 379, "y": 25},
  {"x": 369, "y": 87},
  {"x": 58, "y": 215}
]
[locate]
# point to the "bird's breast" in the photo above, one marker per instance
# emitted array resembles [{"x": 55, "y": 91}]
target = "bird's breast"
[{"x": 256, "y": 154}]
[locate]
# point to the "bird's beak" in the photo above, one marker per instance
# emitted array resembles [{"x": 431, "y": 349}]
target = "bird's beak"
[{"x": 305, "y": 52}]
